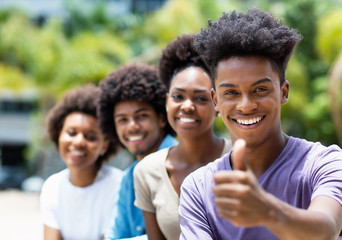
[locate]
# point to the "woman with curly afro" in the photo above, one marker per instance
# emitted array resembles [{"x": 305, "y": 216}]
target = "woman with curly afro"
[
  {"x": 132, "y": 113},
  {"x": 77, "y": 202},
  {"x": 271, "y": 185},
  {"x": 191, "y": 114}
]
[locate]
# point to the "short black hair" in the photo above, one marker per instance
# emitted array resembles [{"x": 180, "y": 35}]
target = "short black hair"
[
  {"x": 178, "y": 55},
  {"x": 247, "y": 34},
  {"x": 81, "y": 99},
  {"x": 131, "y": 82}
]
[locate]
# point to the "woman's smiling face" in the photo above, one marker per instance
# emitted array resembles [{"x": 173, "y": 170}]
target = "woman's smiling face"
[
  {"x": 190, "y": 110},
  {"x": 249, "y": 98},
  {"x": 81, "y": 141}
]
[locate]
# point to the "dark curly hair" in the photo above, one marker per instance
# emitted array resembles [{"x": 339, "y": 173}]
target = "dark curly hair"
[
  {"x": 177, "y": 56},
  {"x": 130, "y": 82},
  {"x": 246, "y": 34},
  {"x": 82, "y": 99}
]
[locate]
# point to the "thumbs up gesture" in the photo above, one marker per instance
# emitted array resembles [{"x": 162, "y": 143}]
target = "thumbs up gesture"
[
  {"x": 238, "y": 196},
  {"x": 238, "y": 155}
]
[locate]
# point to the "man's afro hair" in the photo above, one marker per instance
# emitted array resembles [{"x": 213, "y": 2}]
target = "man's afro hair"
[
  {"x": 241, "y": 34},
  {"x": 132, "y": 81}
]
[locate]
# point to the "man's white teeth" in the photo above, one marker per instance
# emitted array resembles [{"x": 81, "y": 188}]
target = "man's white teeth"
[
  {"x": 187, "y": 120},
  {"x": 135, "y": 138},
  {"x": 249, "y": 121}
]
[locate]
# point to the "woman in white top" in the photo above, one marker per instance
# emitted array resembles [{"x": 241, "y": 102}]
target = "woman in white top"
[
  {"x": 77, "y": 202},
  {"x": 191, "y": 114}
]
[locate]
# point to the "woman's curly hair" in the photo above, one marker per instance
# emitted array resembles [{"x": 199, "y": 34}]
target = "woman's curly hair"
[
  {"x": 130, "y": 82},
  {"x": 178, "y": 55},
  {"x": 84, "y": 100},
  {"x": 244, "y": 34}
]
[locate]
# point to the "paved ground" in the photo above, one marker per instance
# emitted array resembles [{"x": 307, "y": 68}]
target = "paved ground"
[{"x": 19, "y": 216}]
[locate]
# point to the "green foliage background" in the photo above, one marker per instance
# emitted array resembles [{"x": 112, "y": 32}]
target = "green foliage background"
[{"x": 64, "y": 53}]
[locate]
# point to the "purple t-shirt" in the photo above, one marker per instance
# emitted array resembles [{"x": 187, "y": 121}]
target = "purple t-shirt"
[{"x": 301, "y": 172}]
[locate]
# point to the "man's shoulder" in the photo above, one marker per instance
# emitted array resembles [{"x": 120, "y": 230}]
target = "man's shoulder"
[
  {"x": 314, "y": 148},
  {"x": 168, "y": 141},
  {"x": 204, "y": 175},
  {"x": 127, "y": 178}
]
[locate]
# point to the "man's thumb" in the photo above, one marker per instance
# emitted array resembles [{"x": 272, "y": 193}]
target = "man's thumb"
[{"x": 238, "y": 155}]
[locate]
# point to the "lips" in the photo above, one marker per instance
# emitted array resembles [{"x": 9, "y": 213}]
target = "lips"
[
  {"x": 77, "y": 153},
  {"x": 250, "y": 121},
  {"x": 135, "y": 138},
  {"x": 187, "y": 120}
]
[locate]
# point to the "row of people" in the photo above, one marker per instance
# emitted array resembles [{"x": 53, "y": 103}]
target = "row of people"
[
  {"x": 131, "y": 112},
  {"x": 268, "y": 186},
  {"x": 93, "y": 124}
]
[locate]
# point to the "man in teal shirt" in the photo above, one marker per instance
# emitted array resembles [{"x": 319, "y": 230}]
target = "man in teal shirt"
[{"x": 132, "y": 113}]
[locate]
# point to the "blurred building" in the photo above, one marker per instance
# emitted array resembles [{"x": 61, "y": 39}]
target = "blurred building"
[
  {"x": 17, "y": 108},
  {"x": 44, "y": 8}
]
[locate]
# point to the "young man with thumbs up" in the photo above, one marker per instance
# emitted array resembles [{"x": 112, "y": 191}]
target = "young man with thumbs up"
[{"x": 271, "y": 186}]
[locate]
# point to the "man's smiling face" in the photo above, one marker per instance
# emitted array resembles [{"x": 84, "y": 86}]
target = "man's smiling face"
[
  {"x": 249, "y": 97},
  {"x": 138, "y": 127}
]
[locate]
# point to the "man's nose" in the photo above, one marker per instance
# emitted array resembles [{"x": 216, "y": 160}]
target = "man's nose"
[
  {"x": 246, "y": 104},
  {"x": 133, "y": 124}
]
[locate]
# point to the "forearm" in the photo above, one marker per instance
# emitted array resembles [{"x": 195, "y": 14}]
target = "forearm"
[
  {"x": 51, "y": 233},
  {"x": 290, "y": 223},
  {"x": 152, "y": 228}
]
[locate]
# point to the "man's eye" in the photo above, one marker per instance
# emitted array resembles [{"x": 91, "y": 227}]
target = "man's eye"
[
  {"x": 230, "y": 92},
  {"x": 121, "y": 120},
  {"x": 202, "y": 99},
  {"x": 260, "y": 89},
  {"x": 142, "y": 116}
]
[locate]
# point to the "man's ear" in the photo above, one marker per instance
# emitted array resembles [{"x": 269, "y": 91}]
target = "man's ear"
[
  {"x": 285, "y": 88},
  {"x": 162, "y": 120},
  {"x": 214, "y": 99},
  {"x": 167, "y": 99}
]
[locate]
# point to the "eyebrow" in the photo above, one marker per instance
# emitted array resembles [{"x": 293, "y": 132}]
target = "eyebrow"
[
  {"x": 90, "y": 130},
  {"x": 253, "y": 84},
  {"x": 262, "y": 81},
  {"x": 135, "y": 112},
  {"x": 94, "y": 131},
  {"x": 195, "y": 91}
]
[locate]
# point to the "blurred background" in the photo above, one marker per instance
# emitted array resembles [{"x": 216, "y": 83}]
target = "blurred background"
[{"x": 47, "y": 47}]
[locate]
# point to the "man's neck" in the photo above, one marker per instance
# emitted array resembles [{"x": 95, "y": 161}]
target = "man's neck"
[{"x": 260, "y": 158}]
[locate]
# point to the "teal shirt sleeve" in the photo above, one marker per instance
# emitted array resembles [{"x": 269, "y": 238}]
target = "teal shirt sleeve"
[{"x": 128, "y": 220}]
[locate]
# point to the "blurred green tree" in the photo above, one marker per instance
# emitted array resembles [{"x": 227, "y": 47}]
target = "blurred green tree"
[
  {"x": 46, "y": 59},
  {"x": 329, "y": 45},
  {"x": 89, "y": 43}
]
